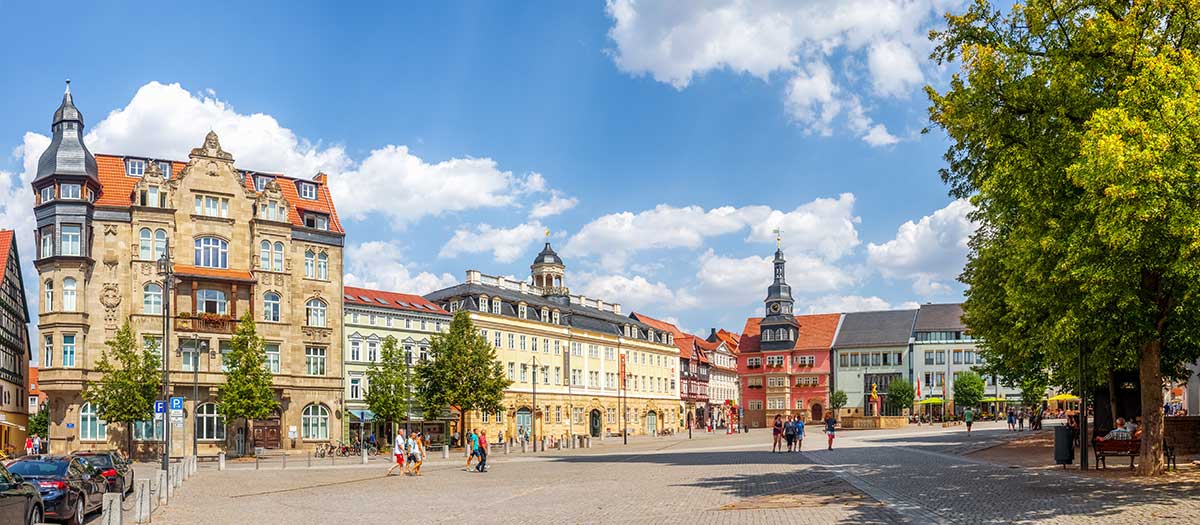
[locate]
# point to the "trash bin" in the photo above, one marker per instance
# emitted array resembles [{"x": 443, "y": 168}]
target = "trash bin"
[{"x": 1064, "y": 446}]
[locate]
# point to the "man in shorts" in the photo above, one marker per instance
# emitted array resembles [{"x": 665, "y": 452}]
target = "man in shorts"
[
  {"x": 482, "y": 466},
  {"x": 472, "y": 444},
  {"x": 968, "y": 418},
  {"x": 399, "y": 452}
]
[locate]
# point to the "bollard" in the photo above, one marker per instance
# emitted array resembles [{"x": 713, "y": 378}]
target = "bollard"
[
  {"x": 164, "y": 490},
  {"x": 588, "y": 442},
  {"x": 110, "y": 513},
  {"x": 220, "y": 461},
  {"x": 364, "y": 455},
  {"x": 309, "y": 454},
  {"x": 285, "y": 460},
  {"x": 187, "y": 468},
  {"x": 445, "y": 451},
  {"x": 142, "y": 504},
  {"x": 256, "y": 462},
  {"x": 543, "y": 444},
  {"x": 506, "y": 447},
  {"x": 522, "y": 446},
  {"x": 176, "y": 475}
]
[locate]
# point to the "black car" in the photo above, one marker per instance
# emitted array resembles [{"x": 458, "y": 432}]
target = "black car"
[
  {"x": 116, "y": 471},
  {"x": 70, "y": 487},
  {"x": 20, "y": 500}
]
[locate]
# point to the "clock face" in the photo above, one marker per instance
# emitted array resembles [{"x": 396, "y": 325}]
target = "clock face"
[{"x": 775, "y": 307}]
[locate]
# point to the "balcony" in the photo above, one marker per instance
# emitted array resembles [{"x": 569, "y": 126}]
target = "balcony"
[{"x": 215, "y": 325}]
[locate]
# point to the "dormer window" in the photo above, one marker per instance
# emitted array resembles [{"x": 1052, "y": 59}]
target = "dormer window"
[
  {"x": 317, "y": 221},
  {"x": 496, "y": 306},
  {"x": 483, "y": 304},
  {"x": 556, "y": 317},
  {"x": 47, "y": 193},
  {"x": 272, "y": 211},
  {"x": 135, "y": 167},
  {"x": 153, "y": 197},
  {"x": 521, "y": 311},
  {"x": 308, "y": 191},
  {"x": 69, "y": 191},
  {"x": 260, "y": 183},
  {"x": 165, "y": 167}
]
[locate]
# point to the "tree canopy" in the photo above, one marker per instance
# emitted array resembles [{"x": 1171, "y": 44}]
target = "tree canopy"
[
  {"x": 130, "y": 380},
  {"x": 1074, "y": 133},
  {"x": 837, "y": 400},
  {"x": 388, "y": 395},
  {"x": 461, "y": 372},
  {"x": 968, "y": 390},
  {"x": 247, "y": 392},
  {"x": 901, "y": 394}
]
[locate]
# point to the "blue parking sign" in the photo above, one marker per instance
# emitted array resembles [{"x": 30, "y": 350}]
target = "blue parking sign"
[
  {"x": 176, "y": 403},
  {"x": 160, "y": 407}
]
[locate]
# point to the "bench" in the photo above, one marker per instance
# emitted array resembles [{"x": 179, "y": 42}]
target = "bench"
[{"x": 1116, "y": 447}]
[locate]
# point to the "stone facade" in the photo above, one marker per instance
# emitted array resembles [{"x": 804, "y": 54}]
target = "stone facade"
[
  {"x": 241, "y": 242},
  {"x": 566, "y": 351},
  {"x": 371, "y": 316}
]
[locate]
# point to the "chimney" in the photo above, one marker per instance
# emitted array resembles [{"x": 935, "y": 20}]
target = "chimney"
[
  {"x": 473, "y": 277},
  {"x": 712, "y": 335}
]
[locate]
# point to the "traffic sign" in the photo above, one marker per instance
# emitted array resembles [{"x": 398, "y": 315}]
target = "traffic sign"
[
  {"x": 160, "y": 407},
  {"x": 176, "y": 403}
]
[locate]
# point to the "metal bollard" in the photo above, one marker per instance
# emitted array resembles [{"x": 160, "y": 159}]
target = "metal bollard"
[
  {"x": 506, "y": 447},
  {"x": 220, "y": 461},
  {"x": 142, "y": 504},
  {"x": 110, "y": 513},
  {"x": 522, "y": 446},
  {"x": 543, "y": 444},
  {"x": 445, "y": 451},
  {"x": 285, "y": 460},
  {"x": 256, "y": 462}
]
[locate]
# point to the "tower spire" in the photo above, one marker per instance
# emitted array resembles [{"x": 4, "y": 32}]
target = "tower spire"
[{"x": 67, "y": 155}]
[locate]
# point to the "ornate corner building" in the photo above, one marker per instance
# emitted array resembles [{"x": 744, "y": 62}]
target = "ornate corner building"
[
  {"x": 241, "y": 242},
  {"x": 15, "y": 382},
  {"x": 563, "y": 354}
]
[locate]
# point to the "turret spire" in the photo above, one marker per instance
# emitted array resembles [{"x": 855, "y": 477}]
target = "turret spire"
[{"x": 67, "y": 155}]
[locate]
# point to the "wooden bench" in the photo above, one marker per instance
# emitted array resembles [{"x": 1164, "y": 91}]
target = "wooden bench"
[{"x": 1116, "y": 447}]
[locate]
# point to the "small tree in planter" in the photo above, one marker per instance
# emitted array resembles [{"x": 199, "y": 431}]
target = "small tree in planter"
[{"x": 837, "y": 400}]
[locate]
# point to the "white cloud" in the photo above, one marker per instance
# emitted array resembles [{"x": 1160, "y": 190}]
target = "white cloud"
[
  {"x": 633, "y": 293},
  {"x": 824, "y": 227},
  {"x": 557, "y": 204},
  {"x": 828, "y": 304},
  {"x": 930, "y": 252},
  {"x": 740, "y": 281},
  {"x": 506, "y": 244},
  {"x": 674, "y": 42},
  {"x": 381, "y": 265},
  {"x": 894, "y": 69},
  {"x": 878, "y": 136}
]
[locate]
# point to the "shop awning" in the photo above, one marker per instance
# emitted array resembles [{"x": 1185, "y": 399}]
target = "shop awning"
[
  {"x": 1064, "y": 397},
  {"x": 993, "y": 400},
  {"x": 14, "y": 425},
  {"x": 931, "y": 401},
  {"x": 363, "y": 415}
]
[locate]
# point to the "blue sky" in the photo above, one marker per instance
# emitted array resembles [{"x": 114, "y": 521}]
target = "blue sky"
[{"x": 660, "y": 142}]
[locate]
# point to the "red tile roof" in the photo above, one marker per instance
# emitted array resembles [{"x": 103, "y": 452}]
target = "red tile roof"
[
  {"x": 688, "y": 344},
  {"x": 816, "y": 332},
  {"x": 187, "y": 270},
  {"x": 730, "y": 339},
  {"x": 117, "y": 190},
  {"x": 392, "y": 300},
  {"x": 6, "y": 242}
]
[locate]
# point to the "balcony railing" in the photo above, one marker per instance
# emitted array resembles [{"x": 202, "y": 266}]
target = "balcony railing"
[{"x": 202, "y": 324}]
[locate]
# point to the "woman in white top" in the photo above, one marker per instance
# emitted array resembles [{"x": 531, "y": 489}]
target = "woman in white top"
[{"x": 416, "y": 453}]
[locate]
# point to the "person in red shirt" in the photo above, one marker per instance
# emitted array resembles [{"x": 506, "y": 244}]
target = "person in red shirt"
[{"x": 483, "y": 452}]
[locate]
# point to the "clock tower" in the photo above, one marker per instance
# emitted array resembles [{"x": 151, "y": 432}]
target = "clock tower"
[{"x": 779, "y": 328}]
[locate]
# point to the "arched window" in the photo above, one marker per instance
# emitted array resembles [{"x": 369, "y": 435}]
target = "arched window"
[
  {"x": 91, "y": 427},
  {"x": 271, "y": 307},
  {"x": 48, "y": 297},
  {"x": 309, "y": 264},
  {"x": 152, "y": 299},
  {"x": 210, "y": 425},
  {"x": 278, "y": 257},
  {"x": 145, "y": 245},
  {"x": 323, "y": 266},
  {"x": 69, "y": 294},
  {"x": 264, "y": 255},
  {"x": 315, "y": 312},
  {"x": 212, "y": 252},
  {"x": 160, "y": 243},
  {"x": 314, "y": 422}
]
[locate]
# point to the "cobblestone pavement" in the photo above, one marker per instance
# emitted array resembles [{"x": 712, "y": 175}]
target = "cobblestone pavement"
[{"x": 912, "y": 475}]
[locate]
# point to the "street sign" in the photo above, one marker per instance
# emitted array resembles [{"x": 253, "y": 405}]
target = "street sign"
[
  {"x": 160, "y": 407},
  {"x": 176, "y": 403},
  {"x": 621, "y": 374},
  {"x": 177, "y": 420},
  {"x": 70, "y": 425}
]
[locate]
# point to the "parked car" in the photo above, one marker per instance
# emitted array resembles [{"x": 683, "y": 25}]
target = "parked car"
[
  {"x": 20, "y": 500},
  {"x": 113, "y": 467},
  {"x": 70, "y": 487}
]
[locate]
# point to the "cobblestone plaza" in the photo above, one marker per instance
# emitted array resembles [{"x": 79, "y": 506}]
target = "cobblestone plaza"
[{"x": 918, "y": 475}]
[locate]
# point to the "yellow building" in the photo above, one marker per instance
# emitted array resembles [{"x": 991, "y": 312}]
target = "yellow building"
[
  {"x": 241, "y": 242},
  {"x": 566, "y": 351}
]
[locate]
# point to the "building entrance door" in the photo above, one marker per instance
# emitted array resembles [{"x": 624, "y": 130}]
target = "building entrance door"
[
  {"x": 524, "y": 423},
  {"x": 651, "y": 423},
  {"x": 594, "y": 426},
  {"x": 266, "y": 433},
  {"x": 818, "y": 413}
]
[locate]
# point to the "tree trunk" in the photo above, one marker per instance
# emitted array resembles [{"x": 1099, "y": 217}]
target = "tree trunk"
[
  {"x": 1150, "y": 462},
  {"x": 1112, "y": 395}
]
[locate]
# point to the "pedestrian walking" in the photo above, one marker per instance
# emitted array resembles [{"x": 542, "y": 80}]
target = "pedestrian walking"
[
  {"x": 776, "y": 433},
  {"x": 789, "y": 432},
  {"x": 37, "y": 444},
  {"x": 482, "y": 466},
  {"x": 1012, "y": 420},
  {"x": 472, "y": 444},
  {"x": 399, "y": 453},
  {"x": 799, "y": 433},
  {"x": 1021, "y": 420},
  {"x": 968, "y": 418},
  {"x": 830, "y": 428},
  {"x": 29, "y": 446},
  {"x": 416, "y": 454}
]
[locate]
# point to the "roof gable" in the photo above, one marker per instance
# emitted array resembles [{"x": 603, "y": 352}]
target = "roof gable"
[{"x": 816, "y": 332}]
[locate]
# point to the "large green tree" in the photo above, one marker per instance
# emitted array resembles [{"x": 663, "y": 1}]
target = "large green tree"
[
  {"x": 968, "y": 390},
  {"x": 130, "y": 381},
  {"x": 901, "y": 394},
  {"x": 389, "y": 395},
  {"x": 837, "y": 400},
  {"x": 247, "y": 392},
  {"x": 1075, "y": 133},
  {"x": 462, "y": 372}
]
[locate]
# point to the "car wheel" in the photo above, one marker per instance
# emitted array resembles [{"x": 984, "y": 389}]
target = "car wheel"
[
  {"x": 35, "y": 515},
  {"x": 77, "y": 518}
]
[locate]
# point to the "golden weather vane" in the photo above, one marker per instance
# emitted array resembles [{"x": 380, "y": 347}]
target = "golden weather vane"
[{"x": 778, "y": 237}]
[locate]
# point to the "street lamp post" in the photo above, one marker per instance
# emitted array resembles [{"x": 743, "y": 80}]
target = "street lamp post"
[
  {"x": 533, "y": 413},
  {"x": 167, "y": 272}
]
